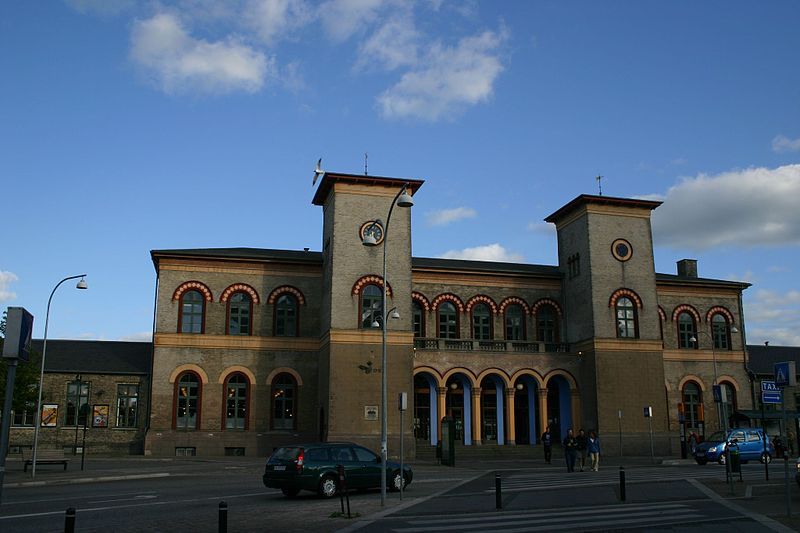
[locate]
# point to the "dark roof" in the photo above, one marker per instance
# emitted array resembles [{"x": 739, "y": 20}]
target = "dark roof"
[
  {"x": 762, "y": 359},
  {"x": 688, "y": 280},
  {"x": 96, "y": 357},
  {"x": 241, "y": 254},
  {"x": 585, "y": 199},
  {"x": 329, "y": 178},
  {"x": 491, "y": 267}
]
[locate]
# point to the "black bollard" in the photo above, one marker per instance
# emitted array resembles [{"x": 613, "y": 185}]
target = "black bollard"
[
  {"x": 622, "y": 483},
  {"x": 498, "y": 492},
  {"x": 69, "y": 521},
  {"x": 223, "y": 517}
]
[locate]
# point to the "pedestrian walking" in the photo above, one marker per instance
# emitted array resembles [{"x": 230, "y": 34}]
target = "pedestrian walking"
[
  {"x": 581, "y": 447},
  {"x": 570, "y": 450},
  {"x": 593, "y": 447},
  {"x": 547, "y": 444}
]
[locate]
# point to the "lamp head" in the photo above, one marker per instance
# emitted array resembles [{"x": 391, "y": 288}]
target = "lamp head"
[
  {"x": 376, "y": 324},
  {"x": 405, "y": 200},
  {"x": 394, "y": 314},
  {"x": 369, "y": 240},
  {"x": 692, "y": 339},
  {"x": 82, "y": 284},
  {"x": 734, "y": 329}
]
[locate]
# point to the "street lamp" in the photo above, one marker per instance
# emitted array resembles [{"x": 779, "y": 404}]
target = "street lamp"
[
  {"x": 722, "y": 423},
  {"x": 38, "y": 418},
  {"x": 402, "y": 199}
]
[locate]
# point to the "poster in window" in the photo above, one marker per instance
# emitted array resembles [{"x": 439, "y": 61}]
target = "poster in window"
[
  {"x": 370, "y": 412},
  {"x": 100, "y": 416},
  {"x": 49, "y": 415}
]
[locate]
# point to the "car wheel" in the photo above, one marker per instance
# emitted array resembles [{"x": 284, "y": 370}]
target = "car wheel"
[
  {"x": 290, "y": 493},
  {"x": 765, "y": 458},
  {"x": 701, "y": 462},
  {"x": 328, "y": 487},
  {"x": 397, "y": 479}
]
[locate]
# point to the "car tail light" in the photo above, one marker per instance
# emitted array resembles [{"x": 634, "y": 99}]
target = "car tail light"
[{"x": 299, "y": 461}]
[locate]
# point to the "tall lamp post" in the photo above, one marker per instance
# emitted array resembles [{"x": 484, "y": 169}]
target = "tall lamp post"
[
  {"x": 723, "y": 424},
  {"x": 402, "y": 199},
  {"x": 38, "y": 418}
]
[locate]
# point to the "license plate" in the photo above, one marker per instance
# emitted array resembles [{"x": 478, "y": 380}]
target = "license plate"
[
  {"x": 701, "y": 454},
  {"x": 279, "y": 468}
]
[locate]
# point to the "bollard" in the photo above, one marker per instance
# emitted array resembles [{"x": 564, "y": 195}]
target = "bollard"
[
  {"x": 69, "y": 521},
  {"x": 223, "y": 517},
  {"x": 622, "y": 483},
  {"x": 498, "y": 492}
]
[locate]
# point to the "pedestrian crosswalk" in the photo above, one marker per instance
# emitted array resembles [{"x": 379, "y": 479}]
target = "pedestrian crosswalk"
[
  {"x": 532, "y": 481},
  {"x": 595, "y": 518}
]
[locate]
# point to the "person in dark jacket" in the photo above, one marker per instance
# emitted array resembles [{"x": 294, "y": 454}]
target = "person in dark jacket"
[
  {"x": 581, "y": 439},
  {"x": 547, "y": 444},
  {"x": 570, "y": 450}
]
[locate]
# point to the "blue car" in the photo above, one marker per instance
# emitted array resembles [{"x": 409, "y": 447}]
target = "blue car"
[{"x": 748, "y": 441}]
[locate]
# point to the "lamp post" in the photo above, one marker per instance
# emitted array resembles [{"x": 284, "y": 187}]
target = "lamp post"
[
  {"x": 402, "y": 199},
  {"x": 38, "y": 418},
  {"x": 722, "y": 423}
]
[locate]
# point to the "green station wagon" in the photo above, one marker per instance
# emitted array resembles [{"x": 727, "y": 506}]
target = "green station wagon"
[{"x": 314, "y": 467}]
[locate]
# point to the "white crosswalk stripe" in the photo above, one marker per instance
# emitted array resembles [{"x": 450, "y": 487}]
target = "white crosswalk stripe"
[
  {"x": 551, "y": 480},
  {"x": 584, "y": 518}
]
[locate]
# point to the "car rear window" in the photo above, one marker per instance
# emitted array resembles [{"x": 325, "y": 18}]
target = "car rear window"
[
  {"x": 286, "y": 454},
  {"x": 316, "y": 454}
]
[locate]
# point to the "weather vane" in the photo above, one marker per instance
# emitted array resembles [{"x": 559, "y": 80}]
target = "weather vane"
[
  {"x": 365, "y": 163},
  {"x": 599, "y": 184}
]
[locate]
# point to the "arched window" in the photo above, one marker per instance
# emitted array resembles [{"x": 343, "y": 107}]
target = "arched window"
[
  {"x": 692, "y": 404},
  {"x": 481, "y": 322},
  {"x": 236, "y": 402},
  {"x": 240, "y": 308},
  {"x": 187, "y": 401},
  {"x": 448, "y": 321},
  {"x": 627, "y": 327},
  {"x": 728, "y": 403},
  {"x": 547, "y": 324},
  {"x": 721, "y": 332},
  {"x": 371, "y": 307},
  {"x": 286, "y": 316},
  {"x": 284, "y": 402},
  {"x": 515, "y": 323},
  {"x": 687, "y": 331},
  {"x": 419, "y": 319},
  {"x": 192, "y": 312}
]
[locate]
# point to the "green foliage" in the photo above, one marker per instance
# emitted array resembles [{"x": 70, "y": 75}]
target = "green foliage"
[{"x": 26, "y": 379}]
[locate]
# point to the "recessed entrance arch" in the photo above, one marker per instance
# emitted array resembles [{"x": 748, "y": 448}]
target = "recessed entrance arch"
[
  {"x": 559, "y": 406},
  {"x": 492, "y": 410},
  {"x": 526, "y": 410},
  {"x": 426, "y": 408},
  {"x": 458, "y": 405}
]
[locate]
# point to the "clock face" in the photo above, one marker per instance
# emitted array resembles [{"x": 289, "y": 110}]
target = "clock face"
[
  {"x": 621, "y": 250},
  {"x": 373, "y": 228}
]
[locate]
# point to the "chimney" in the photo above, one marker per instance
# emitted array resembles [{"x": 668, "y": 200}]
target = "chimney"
[{"x": 687, "y": 268}]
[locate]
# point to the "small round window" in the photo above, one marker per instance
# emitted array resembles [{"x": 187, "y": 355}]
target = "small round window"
[{"x": 621, "y": 250}]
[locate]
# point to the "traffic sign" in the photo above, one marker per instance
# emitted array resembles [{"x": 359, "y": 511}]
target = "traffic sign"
[
  {"x": 769, "y": 386},
  {"x": 717, "y": 390},
  {"x": 771, "y": 397},
  {"x": 785, "y": 374}
]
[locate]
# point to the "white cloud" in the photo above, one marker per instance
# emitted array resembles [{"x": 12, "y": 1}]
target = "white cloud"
[
  {"x": 781, "y": 143},
  {"x": 180, "y": 63},
  {"x": 276, "y": 19},
  {"x": 343, "y": 18},
  {"x": 489, "y": 252},
  {"x": 446, "y": 216},
  {"x": 542, "y": 228},
  {"x": 775, "y": 336},
  {"x": 751, "y": 207},
  {"x": 773, "y": 316},
  {"x": 142, "y": 336},
  {"x": 394, "y": 44},
  {"x": 447, "y": 79},
  {"x": 6, "y": 278}
]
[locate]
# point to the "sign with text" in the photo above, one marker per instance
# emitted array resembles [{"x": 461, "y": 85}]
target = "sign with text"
[{"x": 769, "y": 386}]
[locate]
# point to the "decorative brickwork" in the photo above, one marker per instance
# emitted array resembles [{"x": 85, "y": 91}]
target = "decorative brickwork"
[
  {"x": 371, "y": 280},
  {"x": 193, "y": 285},
  {"x": 546, "y": 301},
  {"x": 719, "y": 310},
  {"x": 240, "y": 287},
  {"x": 619, "y": 293},
  {"x": 481, "y": 298},
  {"x": 422, "y": 300},
  {"x": 514, "y": 300},
  {"x": 448, "y": 297},
  {"x": 283, "y": 289},
  {"x": 686, "y": 308}
]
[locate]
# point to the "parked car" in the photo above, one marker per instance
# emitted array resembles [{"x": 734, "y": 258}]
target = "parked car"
[
  {"x": 314, "y": 467},
  {"x": 748, "y": 441},
  {"x": 797, "y": 471}
]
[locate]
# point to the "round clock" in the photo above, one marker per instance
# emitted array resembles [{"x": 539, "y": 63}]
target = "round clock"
[
  {"x": 374, "y": 228},
  {"x": 621, "y": 250}
]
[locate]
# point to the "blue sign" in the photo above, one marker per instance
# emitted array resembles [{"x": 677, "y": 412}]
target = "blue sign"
[
  {"x": 771, "y": 397},
  {"x": 717, "y": 389},
  {"x": 784, "y": 374},
  {"x": 769, "y": 386}
]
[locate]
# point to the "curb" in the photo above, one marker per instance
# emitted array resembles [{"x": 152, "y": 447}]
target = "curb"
[{"x": 74, "y": 481}]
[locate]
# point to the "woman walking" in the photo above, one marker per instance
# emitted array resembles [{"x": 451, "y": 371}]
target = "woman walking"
[
  {"x": 570, "y": 450},
  {"x": 593, "y": 447}
]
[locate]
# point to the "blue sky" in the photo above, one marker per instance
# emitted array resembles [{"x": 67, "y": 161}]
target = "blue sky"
[{"x": 130, "y": 126}]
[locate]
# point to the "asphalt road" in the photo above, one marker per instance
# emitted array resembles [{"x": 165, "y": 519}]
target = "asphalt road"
[{"x": 176, "y": 496}]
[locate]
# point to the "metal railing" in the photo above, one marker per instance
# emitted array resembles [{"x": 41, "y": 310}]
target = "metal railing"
[{"x": 470, "y": 345}]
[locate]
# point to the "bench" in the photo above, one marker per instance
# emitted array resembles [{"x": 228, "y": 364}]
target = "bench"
[{"x": 44, "y": 457}]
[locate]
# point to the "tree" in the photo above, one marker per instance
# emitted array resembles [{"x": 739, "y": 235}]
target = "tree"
[{"x": 26, "y": 380}]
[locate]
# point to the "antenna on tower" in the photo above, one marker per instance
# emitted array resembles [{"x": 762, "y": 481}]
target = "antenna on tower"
[
  {"x": 599, "y": 184},
  {"x": 365, "y": 162}
]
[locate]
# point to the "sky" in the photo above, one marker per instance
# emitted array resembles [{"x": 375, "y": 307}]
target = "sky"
[{"x": 131, "y": 126}]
